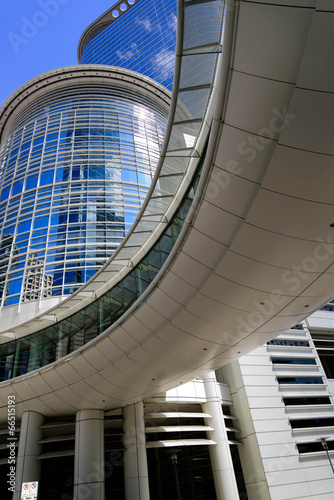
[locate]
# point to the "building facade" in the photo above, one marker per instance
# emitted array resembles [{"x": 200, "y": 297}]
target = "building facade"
[
  {"x": 264, "y": 415},
  {"x": 80, "y": 149},
  {"x": 76, "y": 166},
  {"x": 283, "y": 397},
  {"x": 136, "y": 35}
]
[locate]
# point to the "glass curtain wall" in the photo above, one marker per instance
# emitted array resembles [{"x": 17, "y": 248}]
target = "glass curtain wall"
[
  {"x": 143, "y": 39},
  {"x": 74, "y": 172}
]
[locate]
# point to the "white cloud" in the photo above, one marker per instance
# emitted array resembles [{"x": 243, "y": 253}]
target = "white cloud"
[
  {"x": 127, "y": 54},
  {"x": 145, "y": 23},
  {"x": 164, "y": 62},
  {"x": 172, "y": 23}
]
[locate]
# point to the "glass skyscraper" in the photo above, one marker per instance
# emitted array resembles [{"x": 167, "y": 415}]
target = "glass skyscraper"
[
  {"x": 77, "y": 162},
  {"x": 140, "y": 35},
  {"x": 76, "y": 166}
]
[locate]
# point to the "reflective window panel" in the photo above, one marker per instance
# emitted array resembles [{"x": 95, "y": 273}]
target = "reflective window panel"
[{"x": 142, "y": 39}]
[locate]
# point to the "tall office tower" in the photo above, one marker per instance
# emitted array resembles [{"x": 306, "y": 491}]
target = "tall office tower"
[
  {"x": 135, "y": 34},
  {"x": 91, "y": 151},
  {"x": 77, "y": 160}
]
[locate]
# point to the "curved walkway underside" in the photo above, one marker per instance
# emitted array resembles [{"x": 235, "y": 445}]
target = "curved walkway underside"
[{"x": 256, "y": 253}]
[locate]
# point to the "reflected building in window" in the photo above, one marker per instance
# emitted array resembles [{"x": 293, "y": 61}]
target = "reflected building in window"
[
  {"x": 9, "y": 257},
  {"x": 37, "y": 284}
]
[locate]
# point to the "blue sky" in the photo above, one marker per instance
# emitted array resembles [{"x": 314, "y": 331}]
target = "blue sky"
[{"x": 39, "y": 35}]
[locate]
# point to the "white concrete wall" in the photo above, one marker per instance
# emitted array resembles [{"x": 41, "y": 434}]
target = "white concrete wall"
[{"x": 273, "y": 468}]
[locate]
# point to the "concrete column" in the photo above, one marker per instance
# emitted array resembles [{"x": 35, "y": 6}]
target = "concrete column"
[
  {"x": 89, "y": 455},
  {"x": 135, "y": 458},
  {"x": 221, "y": 460},
  {"x": 28, "y": 468}
]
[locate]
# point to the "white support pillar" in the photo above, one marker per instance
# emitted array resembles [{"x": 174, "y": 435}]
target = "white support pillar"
[
  {"x": 135, "y": 458},
  {"x": 28, "y": 468},
  {"x": 89, "y": 455},
  {"x": 221, "y": 460}
]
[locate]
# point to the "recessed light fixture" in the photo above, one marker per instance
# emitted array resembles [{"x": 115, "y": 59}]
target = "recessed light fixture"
[{"x": 331, "y": 225}]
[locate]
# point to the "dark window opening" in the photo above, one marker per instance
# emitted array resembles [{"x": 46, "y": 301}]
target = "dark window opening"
[
  {"x": 187, "y": 469},
  {"x": 300, "y": 380},
  {"x": 304, "y": 423},
  {"x": 294, "y": 361},
  {"x": 307, "y": 401},
  {"x": 290, "y": 343},
  {"x": 327, "y": 361},
  {"x": 314, "y": 447}
]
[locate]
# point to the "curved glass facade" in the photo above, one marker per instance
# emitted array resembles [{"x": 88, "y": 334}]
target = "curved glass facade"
[
  {"x": 75, "y": 170},
  {"x": 143, "y": 40}
]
